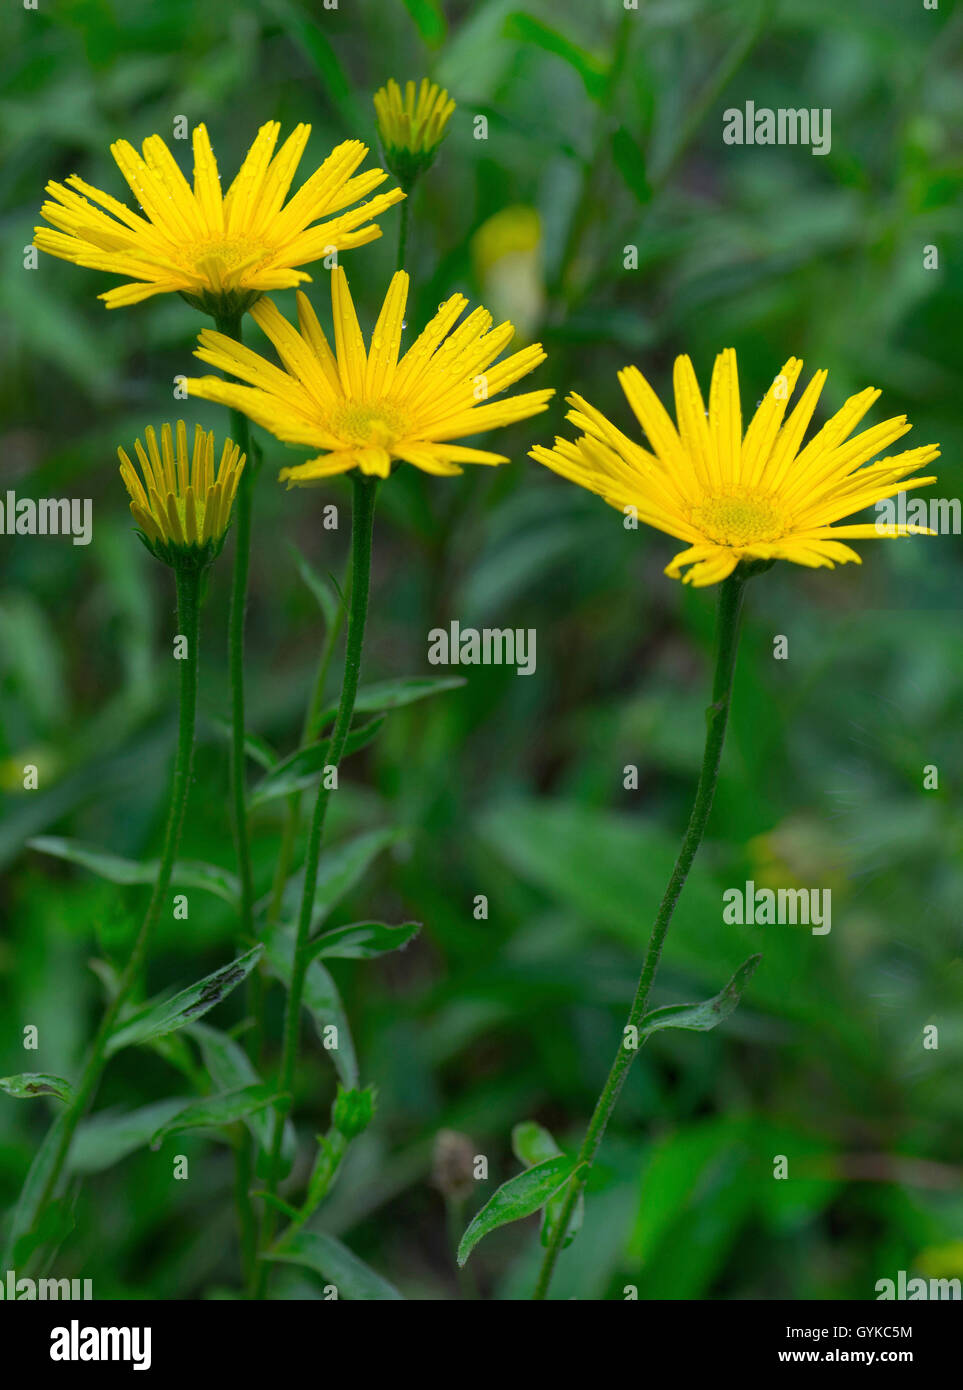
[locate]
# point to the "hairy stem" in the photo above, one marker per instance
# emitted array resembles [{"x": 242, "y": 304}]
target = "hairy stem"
[
  {"x": 717, "y": 716},
  {"x": 188, "y": 607},
  {"x": 292, "y": 820},
  {"x": 362, "y": 523}
]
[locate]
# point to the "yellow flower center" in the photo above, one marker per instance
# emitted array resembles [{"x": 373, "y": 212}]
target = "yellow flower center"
[
  {"x": 376, "y": 423},
  {"x": 738, "y": 520},
  {"x": 224, "y": 261}
]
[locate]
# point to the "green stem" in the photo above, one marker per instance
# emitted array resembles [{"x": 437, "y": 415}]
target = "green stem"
[
  {"x": 241, "y": 434},
  {"x": 717, "y": 715},
  {"x": 230, "y": 325},
  {"x": 292, "y": 822},
  {"x": 188, "y": 582},
  {"x": 403, "y": 231},
  {"x": 362, "y": 525}
]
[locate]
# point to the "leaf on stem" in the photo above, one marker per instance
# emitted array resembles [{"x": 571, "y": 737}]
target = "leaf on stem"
[
  {"x": 300, "y": 770},
  {"x": 532, "y": 1144},
  {"x": 701, "y": 1017},
  {"x": 36, "y": 1083},
  {"x": 388, "y": 695},
  {"x": 22, "y": 1239},
  {"x": 341, "y": 868},
  {"x": 335, "y": 1263},
  {"x": 112, "y": 1135},
  {"x": 257, "y": 748},
  {"x": 521, "y": 1196},
  {"x": 329, "y": 601},
  {"x": 214, "y": 1112},
  {"x": 322, "y": 1001},
  {"x": 186, "y": 873},
  {"x": 166, "y": 1016},
  {"x": 230, "y": 1068},
  {"x": 364, "y": 940}
]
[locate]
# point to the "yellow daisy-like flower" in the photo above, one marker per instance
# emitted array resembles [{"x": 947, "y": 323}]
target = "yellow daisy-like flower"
[
  {"x": 364, "y": 409},
  {"x": 220, "y": 252},
  {"x": 734, "y": 497},
  {"x": 182, "y": 508},
  {"x": 412, "y": 126}
]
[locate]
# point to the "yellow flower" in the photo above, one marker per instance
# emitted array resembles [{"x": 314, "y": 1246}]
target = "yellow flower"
[
  {"x": 183, "y": 510},
  {"x": 366, "y": 409},
  {"x": 221, "y": 253},
  {"x": 411, "y": 126},
  {"x": 734, "y": 497}
]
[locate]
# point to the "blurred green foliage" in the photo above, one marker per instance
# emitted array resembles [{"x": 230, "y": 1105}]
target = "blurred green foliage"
[{"x": 512, "y": 787}]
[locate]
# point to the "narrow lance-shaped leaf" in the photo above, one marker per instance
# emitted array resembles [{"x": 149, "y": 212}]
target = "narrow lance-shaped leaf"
[
  {"x": 166, "y": 1016},
  {"x": 340, "y": 869},
  {"x": 111, "y": 1135},
  {"x": 300, "y": 770},
  {"x": 20, "y": 1242},
  {"x": 322, "y": 1001},
  {"x": 214, "y": 1112},
  {"x": 324, "y": 591},
  {"x": 230, "y": 1068},
  {"x": 186, "y": 873},
  {"x": 531, "y": 1144},
  {"x": 388, "y": 695},
  {"x": 29, "y": 1084},
  {"x": 701, "y": 1017},
  {"x": 255, "y": 747},
  {"x": 521, "y": 1196},
  {"x": 363, "y": 940},
  {"x": 337, "y": 1264}
]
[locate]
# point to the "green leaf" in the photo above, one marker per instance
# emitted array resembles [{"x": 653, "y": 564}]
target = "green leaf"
[
  {"x": 341, "y": 868},
  {"x": 532, "y": 1144},
  {"x": 629, "y": 159},
  {"x": 521, "y": 1196},
  {"x": 363, "y": 940},
  {"x": 322, "y": 1001},
  {"x": 257, "y": 749},
  {"x": 601, "y": 866},
  {"x": 702, "y": 1017},
  {"x": 301, "y": 769},
  {"x": 112, "y": 1135},
  {"x": 187, "y": 873},
  {"x": 166, "y": 1016},
  {"x": 526, "y": 29},
  {"x": 336, "y": 1263},
  {"x": 20, "y": 1242},
  {"x": 214, "y": 1112},
  {"x": 230, "y": 1068},
  {"x": 329, "y": 601},
  {"x": 36, "y": 1083},
  {"x": 429, "y": 20},
  {"x": 387, "y": 695}
]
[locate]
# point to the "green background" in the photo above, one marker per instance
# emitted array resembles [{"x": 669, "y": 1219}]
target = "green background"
[{"x": 512, "y": 787}]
